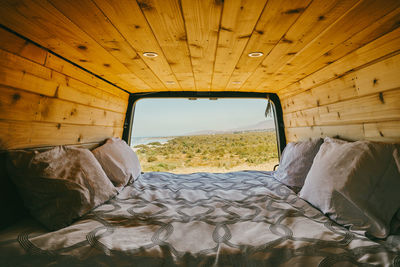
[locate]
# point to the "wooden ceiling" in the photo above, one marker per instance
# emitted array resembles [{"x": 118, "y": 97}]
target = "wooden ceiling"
[{"x": 202, "y": 44}]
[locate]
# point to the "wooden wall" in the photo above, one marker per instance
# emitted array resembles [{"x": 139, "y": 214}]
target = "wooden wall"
[
  {"x": 356, "y": 97},
  {"x": 44, "y": 100}
]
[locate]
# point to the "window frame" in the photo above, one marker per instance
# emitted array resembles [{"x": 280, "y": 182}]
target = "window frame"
[{"x": 276, "y": 105}]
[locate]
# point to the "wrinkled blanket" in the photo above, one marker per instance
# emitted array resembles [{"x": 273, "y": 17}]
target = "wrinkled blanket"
[{"x": 203, "y": 219}]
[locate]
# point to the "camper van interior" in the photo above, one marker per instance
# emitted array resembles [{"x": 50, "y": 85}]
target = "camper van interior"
[{"x": 79, "y": 188}]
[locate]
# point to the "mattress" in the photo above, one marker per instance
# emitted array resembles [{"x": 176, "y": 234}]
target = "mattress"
[{"x": 242, "y": 218}]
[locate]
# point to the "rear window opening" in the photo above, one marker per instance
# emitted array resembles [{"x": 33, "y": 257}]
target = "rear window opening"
[{"x": 185, "y": 135}]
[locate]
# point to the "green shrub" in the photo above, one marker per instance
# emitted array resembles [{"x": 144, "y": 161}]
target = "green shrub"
[{"x": 151, "y": 159}]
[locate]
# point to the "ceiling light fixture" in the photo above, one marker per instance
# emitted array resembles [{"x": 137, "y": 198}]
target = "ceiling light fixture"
[
  {"x": 169, "y": 82},
  {"x": 236, "y": 82},
  {"x": 150, "y": 54},
  {"x": 256, "y": 54}
]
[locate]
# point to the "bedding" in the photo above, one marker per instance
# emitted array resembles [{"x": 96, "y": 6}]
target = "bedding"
[
  {"x": 118, "y": 160},
  {"x": 59, "y": 185},
  {"x": 242, "y": 218},
  {"x": 358, "y": 184},
  {"x": 292, "y": 171}
]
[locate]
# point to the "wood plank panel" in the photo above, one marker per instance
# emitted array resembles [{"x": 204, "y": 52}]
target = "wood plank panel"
[
  {"x": 386, "y": 25},
  {"x": 27, "y": 81},
  {"x": 202, "y": 19},
  {"x": 89, "y": 17},
  {"x": 128, "y": 19},
  {"x": 327, "y": 93},
  {"x": 40, "y": 106},
  {"x": 55, "y": 63},
  {"x": 388, "y": 131},
  {"x": 380, "y": 48},
  {"x": 23, "y": 106},
  {"x": 376, "y": 107},
  {"x": 371, "y": 108},
  {"x": 350, "y": 132},
  {"x": 379, "y": 77},
  {"x": 308, "y": 117},
  {"x": 44, "y": 24},
  {"x": 17, "y": 134},
  {"x": 24, "y": 74},
  {"x": 274, "y": 22},
  {"x": 365, "y": 13},
  {"x": 168, "y": 26},
  {"x": 49, "y": 60},
  {"x": 16, "y": 45},
  {"x": 78, "y": 92},
  {"x": 14, "y": 62},
  {"x": 239, "y": 18},
  {"x": 319, "y": 15}
]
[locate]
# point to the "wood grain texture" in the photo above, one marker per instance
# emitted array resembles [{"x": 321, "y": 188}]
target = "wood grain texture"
[
  {"x": 383, "y": 131},
  {"x": 202, "y": 19},
  {"x": 387, "y": 131},
  {"x": 362, "y": 104},
  {"x": 41, "y": 22},
  {"x": 129, "y": 20},
  {"x": 40, "y": 105},
  {"x": 274, "y": 22},
  {"x": 351, "y": 132},
  {"x": 364, "y": 12},
  {"x": 365, "y": 40},
  {"x": 204, "y": 45},
  {"x": 378, "y": 77},
  {"x": 19, "y": 105},
  {"x": 17, "y": 134},
  {"x": 319, "y": 15},
  {"x": 237, "y": 23},
  {"x": 166, "y": 21},
  {"x": 334, "y": 64},
  {"x": 98, "y": 26}
]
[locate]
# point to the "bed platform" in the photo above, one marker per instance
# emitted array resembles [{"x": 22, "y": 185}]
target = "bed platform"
[{"x": 244, "y": 218}]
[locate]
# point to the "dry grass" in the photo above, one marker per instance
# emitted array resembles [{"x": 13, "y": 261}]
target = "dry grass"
[{"x": 211, "y": 153}]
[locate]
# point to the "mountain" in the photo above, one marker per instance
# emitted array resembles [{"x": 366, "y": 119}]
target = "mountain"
[
  {"x": 261, "y": 126},
  {"x": 266, "y": 125}
]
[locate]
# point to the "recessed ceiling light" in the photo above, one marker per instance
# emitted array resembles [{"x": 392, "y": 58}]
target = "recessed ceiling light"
[
  {"x": 236, "y": 82},
  {"x": 170, "y": 82},
  {"x": 256, "y": 54},
  {"x": 150, "y": 54}
]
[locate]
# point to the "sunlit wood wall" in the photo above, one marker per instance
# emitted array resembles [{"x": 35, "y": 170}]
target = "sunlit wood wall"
[
  {"x": 44, "y": 100},
  {"x": 356, "y": 97}
]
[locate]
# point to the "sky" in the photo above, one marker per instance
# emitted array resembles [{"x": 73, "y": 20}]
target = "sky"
[{"x": 179, "y": 116}]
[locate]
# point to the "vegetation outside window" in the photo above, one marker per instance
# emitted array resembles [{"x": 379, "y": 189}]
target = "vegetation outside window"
[{"x": 182, "y": 136}]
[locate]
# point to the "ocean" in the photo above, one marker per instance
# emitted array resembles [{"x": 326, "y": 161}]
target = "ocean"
[{"x": 135, "y": 141}]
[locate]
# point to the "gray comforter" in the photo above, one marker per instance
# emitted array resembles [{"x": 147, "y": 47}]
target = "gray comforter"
[{"x": 208, "y": 219}]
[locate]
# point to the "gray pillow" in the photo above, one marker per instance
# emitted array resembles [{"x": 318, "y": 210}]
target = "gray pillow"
[
  {"x": 59, "y": 185},
  {"x": 296, "y": 161},
  {"x": 118, "y": 160},
  {"x": 356, "y": 184}
]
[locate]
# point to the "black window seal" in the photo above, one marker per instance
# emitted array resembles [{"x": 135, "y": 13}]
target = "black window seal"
[{"x": 278, "y": 114}]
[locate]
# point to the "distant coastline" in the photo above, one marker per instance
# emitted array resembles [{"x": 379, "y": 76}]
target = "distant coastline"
[
  {"x": 145, "y": 140},
  {"x": 262, "y": 126},
  {"x": 211, "y": 152}
]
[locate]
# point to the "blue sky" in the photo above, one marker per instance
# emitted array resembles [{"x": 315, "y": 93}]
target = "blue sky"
[{"x": 179, "y": 116}]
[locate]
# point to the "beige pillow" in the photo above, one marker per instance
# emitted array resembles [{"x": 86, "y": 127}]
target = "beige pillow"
[
  {"x": 118, "y": 160},
  {"x": 296, "y": 161},
  {"x": 356, "y": 184},
  {"x": 59, "y": 185}
]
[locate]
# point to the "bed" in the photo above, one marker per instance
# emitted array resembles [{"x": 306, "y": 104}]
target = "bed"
[{"x": 244, "y": 218}]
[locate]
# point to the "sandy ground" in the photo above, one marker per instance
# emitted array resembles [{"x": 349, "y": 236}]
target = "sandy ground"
[{"x": 269, "y": 166}]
